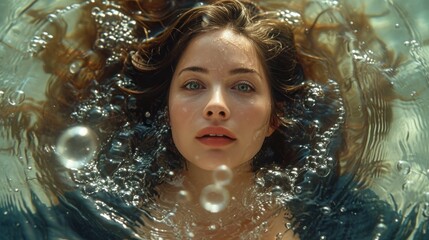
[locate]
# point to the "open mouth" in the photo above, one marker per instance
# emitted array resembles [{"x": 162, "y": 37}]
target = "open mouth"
[
  {"x": 216, "y": 136},
  {"x": 216, "y": 140}
]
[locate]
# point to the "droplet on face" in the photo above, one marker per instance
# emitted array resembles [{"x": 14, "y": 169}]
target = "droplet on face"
[
  {"x": 214, "y": 198},
  {"x": 76, "y": 147},
  {"x": 222, "y": 175}
]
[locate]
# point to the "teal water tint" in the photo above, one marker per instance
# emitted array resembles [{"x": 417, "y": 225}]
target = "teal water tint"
[{"x": 383, "y": 80}]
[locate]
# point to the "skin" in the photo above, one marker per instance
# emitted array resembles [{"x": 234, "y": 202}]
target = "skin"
[{"x": 220, "y": 83}]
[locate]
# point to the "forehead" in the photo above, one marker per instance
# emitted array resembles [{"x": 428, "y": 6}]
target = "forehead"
[{"x": 220, "y": 48}]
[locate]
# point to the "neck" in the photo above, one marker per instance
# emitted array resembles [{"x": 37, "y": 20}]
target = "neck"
[{"x": 197, "y": 178}]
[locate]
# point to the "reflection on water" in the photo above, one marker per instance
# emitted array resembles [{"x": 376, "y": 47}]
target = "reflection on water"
[{"x": 376, "y": 51}]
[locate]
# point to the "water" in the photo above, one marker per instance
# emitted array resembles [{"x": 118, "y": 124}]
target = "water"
[{"x": 81, "y": 159}]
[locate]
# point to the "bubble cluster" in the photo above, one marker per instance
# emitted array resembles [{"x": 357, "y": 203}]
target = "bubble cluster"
[
  {"x": 331, "y": 3},
  {"x": 358, "y": 56},
  {"x": 38, "y": 43},
  {"x": 115, "y": 32},
  {"x": 379, "y": 230},
  {"x": 411, "y": 43},
  {"x": 319, "y": 162},
  {"x": 76, "y": 147},
  {"x": 215, "y": 197},
  {"x": 292, "y": 18}
]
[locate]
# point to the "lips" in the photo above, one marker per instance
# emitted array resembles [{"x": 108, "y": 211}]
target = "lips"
[{"x": 215, "y": 136}]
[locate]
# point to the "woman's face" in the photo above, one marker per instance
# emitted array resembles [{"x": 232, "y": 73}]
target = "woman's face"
[{"x": 219, "y": 101}]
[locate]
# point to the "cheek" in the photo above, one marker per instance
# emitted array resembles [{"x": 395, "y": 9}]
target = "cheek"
[
  {"x": 176, "y": 113},
  {"x": 259, "y": 114},
  {"x": 181, "y": 114}
]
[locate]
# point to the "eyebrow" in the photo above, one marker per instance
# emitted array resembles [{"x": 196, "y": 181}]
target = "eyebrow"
[{"x": 241, "y": 70}]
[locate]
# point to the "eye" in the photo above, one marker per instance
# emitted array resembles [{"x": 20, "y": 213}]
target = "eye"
[
  {"x": 244, "y": 87},
  {"x": 193, "y": 85}
]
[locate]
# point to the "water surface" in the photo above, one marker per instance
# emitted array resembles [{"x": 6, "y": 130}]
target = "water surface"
[{"x": 377, "y": 52}]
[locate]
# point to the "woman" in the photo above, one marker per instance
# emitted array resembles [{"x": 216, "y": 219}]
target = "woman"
[{"x": 225, "y": 73}]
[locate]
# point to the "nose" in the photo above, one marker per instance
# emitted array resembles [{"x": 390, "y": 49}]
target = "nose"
[{"x": 217, "y": 108}]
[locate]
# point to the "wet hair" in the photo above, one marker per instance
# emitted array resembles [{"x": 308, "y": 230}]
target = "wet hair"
[
  {"x": 153, "y": 63},
  {"x": 136, "y": 151}
]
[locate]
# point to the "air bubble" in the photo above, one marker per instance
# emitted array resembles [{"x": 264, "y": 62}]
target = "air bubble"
[
  {"x": 76, "y": 147},
  {"x": 380, "y": 229},
  {"x": 403, "y": 167},
  {"x": 277, "y": 190},
  {"x": 214, "y": 198},
  {"x": 309, "y": 102},
  {"x": 190, "y": 234},
  {"x": 323, "y": 171},
  {"x": 95, "y": 11},
  {"x": 326, "y": 210},
  {"x": 222, "y": 175},
  {"x": 16, "y": 97},
  {"x": 76, "y": 66},
  {"x": 298, "y": 189},
  {"x": 183, "y": 196},
  {"x": 212, "y": 227},
  {"x": 397, "y": 25},
  {"x": 96, "y": 114}
]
